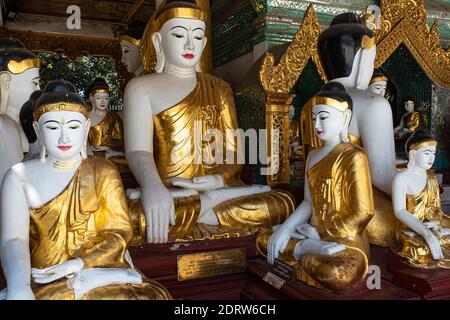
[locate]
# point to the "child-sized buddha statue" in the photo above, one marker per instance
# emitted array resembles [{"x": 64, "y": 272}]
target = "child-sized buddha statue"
[
  {"x": 64, "y": 222},
  {"x": 424, "y": 230},
  {"x": 325, "y": 238}
]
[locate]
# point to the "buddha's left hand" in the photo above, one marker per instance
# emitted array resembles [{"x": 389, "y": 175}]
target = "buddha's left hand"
[
  {"x": 201, "y": 184},
  {"x": 58, "y": 271}
]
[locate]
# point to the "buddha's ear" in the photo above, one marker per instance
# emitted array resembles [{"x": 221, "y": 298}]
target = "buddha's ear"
[
  {"x": 411, "y": 158},
  {"x": 160, "y": 57},
  {"x": 5, "y": 80},
  {"x": 38, "y": 132},
  {"x": 198, "y": 67},
  {"x": 347, "y": 118}
]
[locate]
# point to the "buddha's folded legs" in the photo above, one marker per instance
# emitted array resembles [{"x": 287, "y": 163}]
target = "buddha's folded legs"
[
  {"x": 337, "y": 272},
  {"x": 148, "y": 290},
  {"x": 382, "y": 227},
  {"x": 253, "y": 211}
]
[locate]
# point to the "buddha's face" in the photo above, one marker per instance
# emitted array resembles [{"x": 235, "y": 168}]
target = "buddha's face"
[
  {"x": 131, "y": 57},
  {"x": 409, "y": 106},
  {"x": 291, "y": 112},
  {"x": 378, "y": 87},
  {"x": 100, "y": 101},
  {"x": 182, "y": 41},
  {"x": 424, "y": 157},
  {"x": 63, "y": 133},
  {"x": 328, "y": 122},
  {"x": 21, "y": 86}
]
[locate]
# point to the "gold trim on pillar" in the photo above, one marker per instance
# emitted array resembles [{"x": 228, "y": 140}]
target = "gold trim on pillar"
[
  {"x": 405, "y": 21},
  {"x": 277, "y": 82}
]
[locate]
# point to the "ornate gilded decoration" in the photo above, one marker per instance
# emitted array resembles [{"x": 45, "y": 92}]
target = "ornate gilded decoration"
[
  {"x": 405, "y": 21},
  {"x": 367, "y": 42},
  {"x": 19, "y": 67},
  {"x": 428, "y": 143},
  {"x": 60, "y": 106},
  {"x": 277, "y": 82}
]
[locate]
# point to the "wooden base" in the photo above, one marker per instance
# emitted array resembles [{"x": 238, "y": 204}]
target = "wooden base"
[
  {"x": 159, "y": 263},
  {"x": 428, "y": 283},
  {"x": 257, "y": 289}
]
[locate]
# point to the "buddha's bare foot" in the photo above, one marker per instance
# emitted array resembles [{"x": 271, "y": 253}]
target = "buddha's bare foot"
[{"x": 310, "y": 246}]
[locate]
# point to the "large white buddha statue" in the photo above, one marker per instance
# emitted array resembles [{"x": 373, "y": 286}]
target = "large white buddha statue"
[
  {"x": 130, "y": 43},
  {"x": 19, "y": 78},
  {"x": 424, "y": 229},
  {"x": 64, "y": 223},
  {"x": 185, "y": 177},
  {"x": 347, "y": 50},
  {"x": 106, "y": 134},
  {"x": 325, "y": 238}
]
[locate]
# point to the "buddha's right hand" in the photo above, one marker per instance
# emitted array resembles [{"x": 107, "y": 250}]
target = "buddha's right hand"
[
  {"x": 23, "y": 293},
  {"x": 433, "y": 243},
  {"x": 159, "y": 210},
  {"x": 278, "y": 243}
]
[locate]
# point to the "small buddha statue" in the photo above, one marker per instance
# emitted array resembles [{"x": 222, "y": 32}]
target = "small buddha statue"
[
  {"x": 423, "y": 231},
  {"x": 409, "y": 121},
  {"x": 130, "y": 43},
  {"x": 19, "y": 78},
  {"x": 325, "y": 238},
  {"x": 64, "y": 222},
  {"x": 26, "y": 120},
  {"x": 348, "y": 50},
  {"x": 378, "y": 83},
  {"x": 187, "y": 179},
  {"x": 295, "y": 148},
  {"x": 106, "y": 133}
]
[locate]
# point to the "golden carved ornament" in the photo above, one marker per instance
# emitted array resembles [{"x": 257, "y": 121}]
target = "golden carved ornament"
[
  {"x": 280, "y": 78},
  {"x": 405, "y": 21}
]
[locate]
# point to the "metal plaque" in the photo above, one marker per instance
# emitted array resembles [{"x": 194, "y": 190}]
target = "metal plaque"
[{"x": 274, "y": 280}]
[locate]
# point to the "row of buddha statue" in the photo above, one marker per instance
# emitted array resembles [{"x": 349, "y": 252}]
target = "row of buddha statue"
[{"x": 66, "y": 222}]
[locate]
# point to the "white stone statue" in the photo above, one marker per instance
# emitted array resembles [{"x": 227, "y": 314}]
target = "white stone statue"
[
  {"x": 19, "y": 78},
  {"x": 49, "y": 247},
  {"x": 130, "y": 43},
  {"x": 424, "y": 230},
  {"x": 159, "y": 139},
  {"x": 409, "y": 122},
  {"x": 378, "y": 84}
]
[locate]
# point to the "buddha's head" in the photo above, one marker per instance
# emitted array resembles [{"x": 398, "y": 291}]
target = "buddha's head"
[
  {"x": 130, "y": 43},
  {"x": 378, "y": 83},
  {"x": 19, "y": 76},
  {"x": 180, "y": 36},
  {"x": 99, "y": 95},
  {"x": 291, "y": 112},
  {"x": 409, "y": 105},
  {"x": 347, "y": 50},
  {"x": 421, "y": 150},
  {"x": 331, "y": 112},
  {"x": 26, "y": 116},
  {"x": 61, "y": 122}
]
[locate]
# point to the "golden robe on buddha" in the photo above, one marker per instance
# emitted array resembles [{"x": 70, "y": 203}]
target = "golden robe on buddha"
[
  {"x": 109, "y": 133},
  {"x": 341, "y": 195},
  {"x": 381, "y": 229},
  {"x": 425, "y": 206},
  {"x": 182, "y": 149},
  {"x": 88, "y": 220}
]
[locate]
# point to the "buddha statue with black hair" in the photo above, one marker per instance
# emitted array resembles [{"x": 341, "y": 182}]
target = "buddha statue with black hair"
[
  {"x": 19, "y": 78},
  {"x": 325, "y": 239},
  {"x": 423, "y": 231},
  {"x": 347, "y": 50}
]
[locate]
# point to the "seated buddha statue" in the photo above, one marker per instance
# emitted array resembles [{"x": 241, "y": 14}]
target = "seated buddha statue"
[
  {"x": 347, "y": 50},
  {"x": 19, "y": 78},
  {"x": 409, "y": 121},
  {"x": 325, "y": 238},
  {"x": 64, "y": 222},
  {"x": 186, "y": 176},
  {"x": 26, "y": 120},
  {"x": 106, "y": 134},
  {"x": 423, "y": 231},
  {"x": 378, "y": 83},
  {"x": 295, "y": 148},
  {"x": 130, "y": 43}
]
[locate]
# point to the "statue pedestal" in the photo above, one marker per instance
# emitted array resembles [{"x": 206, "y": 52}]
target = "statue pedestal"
[
  {"x": 199, "y": 270},
  {"x": 257, "y": 287},
  {"x": 428, "y": 283}
]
